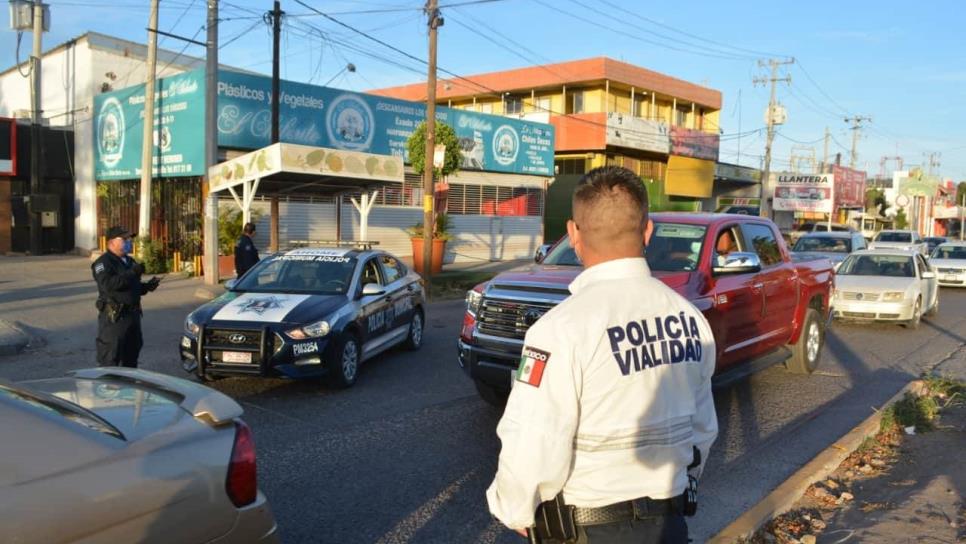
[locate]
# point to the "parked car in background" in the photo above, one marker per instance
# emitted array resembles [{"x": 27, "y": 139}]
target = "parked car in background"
[
  {"x": 932, "y": 242},
  {"x": 735, "y": 268},
  {"x": 834, "y": 246},
  {"x": 949, "y": 260},
  {"x": 111, "y": 454},
  {"x": 306, "y": 313},
  {"x": 908, "y": 240},
  {"x": 807, "y": 228},
  {"x": 885, "y": 285}
]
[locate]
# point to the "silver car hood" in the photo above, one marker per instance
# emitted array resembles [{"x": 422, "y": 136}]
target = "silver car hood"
[{"x": 873, "y": 284}]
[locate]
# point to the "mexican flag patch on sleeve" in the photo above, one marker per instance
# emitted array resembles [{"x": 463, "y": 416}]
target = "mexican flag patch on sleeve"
[{"x": 533, "y": 363}]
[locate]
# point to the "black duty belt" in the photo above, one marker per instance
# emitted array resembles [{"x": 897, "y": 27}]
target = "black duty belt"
[{"x": 629, "y": 510}]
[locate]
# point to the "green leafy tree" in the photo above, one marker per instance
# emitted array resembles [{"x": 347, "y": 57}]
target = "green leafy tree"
[
  {"x": 445, "y": 135},
  {"x": 230, "y": 228},
  {"x": 901, "y": 220},
  {"x": 960, "y": 192}
]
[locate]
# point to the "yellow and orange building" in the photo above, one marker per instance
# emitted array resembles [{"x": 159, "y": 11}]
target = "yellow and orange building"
[{"x": 605, "y": 112}]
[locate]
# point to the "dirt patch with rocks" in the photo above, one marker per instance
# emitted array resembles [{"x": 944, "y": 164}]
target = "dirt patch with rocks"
[{"x": 905, "y": 484}]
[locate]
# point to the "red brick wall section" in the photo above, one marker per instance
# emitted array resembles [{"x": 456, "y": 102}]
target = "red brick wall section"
[{"x": 6, "y": 216}]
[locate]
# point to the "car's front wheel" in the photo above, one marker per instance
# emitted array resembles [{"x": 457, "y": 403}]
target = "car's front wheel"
[
  {"x": 346, "y": 356},
  {"x": 916, "y": 315},
  {"x": 416, "y": 327}
]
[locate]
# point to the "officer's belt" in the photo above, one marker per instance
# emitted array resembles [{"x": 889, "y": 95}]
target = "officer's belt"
[{"x": 629, "y": 510}]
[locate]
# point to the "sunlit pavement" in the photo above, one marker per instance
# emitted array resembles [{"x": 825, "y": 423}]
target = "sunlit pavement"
[{"x": 406, "y": 454}]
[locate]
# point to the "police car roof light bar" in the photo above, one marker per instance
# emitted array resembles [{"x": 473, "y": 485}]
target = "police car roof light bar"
[{"x": 363, "y": 244}]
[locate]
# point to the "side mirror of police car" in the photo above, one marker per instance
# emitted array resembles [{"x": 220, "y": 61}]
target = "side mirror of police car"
[
  {"x": 737, "y": 262},
  {"x": 373, "y": 290}
]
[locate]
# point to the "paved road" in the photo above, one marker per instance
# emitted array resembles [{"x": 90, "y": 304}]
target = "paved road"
[{"x": 406, "y": 454}]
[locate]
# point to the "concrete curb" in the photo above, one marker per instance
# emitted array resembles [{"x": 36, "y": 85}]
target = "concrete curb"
[
  {"x": 787, "y": 494},
  {"x": 12, "y": 338}
]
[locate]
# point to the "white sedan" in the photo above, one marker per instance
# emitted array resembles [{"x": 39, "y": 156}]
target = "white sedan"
[
  {"x": 885, "y": 285},
  {"x": 949, "y": 259}
]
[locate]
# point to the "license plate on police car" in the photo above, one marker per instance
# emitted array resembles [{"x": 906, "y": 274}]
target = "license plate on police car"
[{"x": 236, "y": 356}]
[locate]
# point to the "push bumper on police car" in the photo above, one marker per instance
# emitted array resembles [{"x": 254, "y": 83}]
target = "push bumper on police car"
[{"x": 251, "y": 350}]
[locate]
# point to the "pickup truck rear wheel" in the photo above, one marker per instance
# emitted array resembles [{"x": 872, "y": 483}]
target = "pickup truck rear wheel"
[
  {"x": 808, "y": 350},
  {"x": 492, "y": 396}
]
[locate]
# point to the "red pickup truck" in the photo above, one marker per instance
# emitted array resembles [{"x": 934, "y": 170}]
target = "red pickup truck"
[{"x": 761, "y": 302}]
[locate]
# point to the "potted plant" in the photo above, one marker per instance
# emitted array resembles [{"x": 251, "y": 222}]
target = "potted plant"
[
  {"x": 416, "y": 147},
  {"x": 441, "y": 235}
]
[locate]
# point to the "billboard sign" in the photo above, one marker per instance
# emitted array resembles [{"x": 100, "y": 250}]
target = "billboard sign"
[
  {"x": 636, "y": 133},
  {"x": 333, "y": 118},
  {"x": 694, "y": 143},
  {"x": 849, "y": 187},
  {"x": 803, "y": 192},
  {"x": 179, "y": 125},
  {"x": 918, "y": 184}
]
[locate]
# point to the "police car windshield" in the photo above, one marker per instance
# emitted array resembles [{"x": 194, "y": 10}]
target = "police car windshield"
[
  {"x": 320, "y": 274},
  {"x": 674, "y": 247}
]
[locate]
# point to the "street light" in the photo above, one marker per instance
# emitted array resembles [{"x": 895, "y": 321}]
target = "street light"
[{"x": 348, "y": 68}]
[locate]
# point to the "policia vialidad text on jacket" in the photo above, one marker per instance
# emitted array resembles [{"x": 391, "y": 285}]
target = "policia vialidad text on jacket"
[
  {"x": 119, "y": 292},
  {"x": 611, "y": 410}
]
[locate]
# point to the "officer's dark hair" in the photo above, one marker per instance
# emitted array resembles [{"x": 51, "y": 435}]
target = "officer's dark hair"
[
  {"x": 610, "y": 201},
  {"x": 249, "y": 228}
]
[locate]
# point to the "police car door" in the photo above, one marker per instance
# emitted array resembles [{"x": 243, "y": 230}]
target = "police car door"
[
  {"x": 400, "y": 291},
  {"x": 374, "y": 310}
]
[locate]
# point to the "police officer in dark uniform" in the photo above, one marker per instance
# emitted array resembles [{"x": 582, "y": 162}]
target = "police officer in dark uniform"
[
  {"x": 246, "y": 255},
  {"x": 119, "y": 289}
]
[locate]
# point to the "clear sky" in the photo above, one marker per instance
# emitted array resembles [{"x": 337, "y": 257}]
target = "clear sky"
[{"x": 902, "y": 64}]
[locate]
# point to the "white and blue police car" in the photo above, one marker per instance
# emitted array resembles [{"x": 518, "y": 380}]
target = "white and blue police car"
[{"x": 307, "y": 312}]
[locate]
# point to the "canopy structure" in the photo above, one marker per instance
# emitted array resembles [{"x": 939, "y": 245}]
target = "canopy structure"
[{"x": 296, "y": 170}]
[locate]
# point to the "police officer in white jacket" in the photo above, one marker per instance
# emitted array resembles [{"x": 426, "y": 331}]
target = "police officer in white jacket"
[{"x": 612, "y": 398}]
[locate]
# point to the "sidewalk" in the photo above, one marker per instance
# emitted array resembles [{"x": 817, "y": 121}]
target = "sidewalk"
[{"x": 902, "y": 485}]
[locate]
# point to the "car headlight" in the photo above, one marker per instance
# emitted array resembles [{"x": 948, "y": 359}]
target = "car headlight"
[
  {"x": 315, "y": 330},
  {"x": 474, "y": 299},
  {"x": 893, "y": 296},
  {"x": 191, "y": 326}
]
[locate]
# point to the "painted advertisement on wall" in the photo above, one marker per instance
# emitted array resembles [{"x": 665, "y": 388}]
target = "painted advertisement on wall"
[
  {"x": 803, "y": 192},
  {"x": 849, "y": 187},
  {"x": 178, "y": 129},
  {"x": 325, "y": 117},
  {"x": 694, "y": 143}
]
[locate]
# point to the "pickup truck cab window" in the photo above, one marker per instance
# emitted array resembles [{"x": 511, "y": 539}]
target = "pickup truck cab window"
[{"x": 761, "y": 238}]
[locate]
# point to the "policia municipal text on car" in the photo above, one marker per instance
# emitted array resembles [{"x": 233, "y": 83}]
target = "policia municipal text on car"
[
  {"x": 119, "y": 291},
  {"x": 611, "y": 410}
]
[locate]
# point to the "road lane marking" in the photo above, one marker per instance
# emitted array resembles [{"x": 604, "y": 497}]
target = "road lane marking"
[{"x": 405, "y": 530}]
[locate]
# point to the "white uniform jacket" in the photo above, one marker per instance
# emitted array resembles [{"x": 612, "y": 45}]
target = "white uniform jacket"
[{"x": 612, "y": 392}]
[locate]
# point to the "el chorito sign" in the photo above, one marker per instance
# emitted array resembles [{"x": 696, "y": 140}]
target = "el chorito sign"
[
  {"x": 178, "y": 129},
  {"x": 332, "y": 118},
  {"x": 804, "y": 192}
]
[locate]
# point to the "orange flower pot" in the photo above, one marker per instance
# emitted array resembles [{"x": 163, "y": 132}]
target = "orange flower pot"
[{"x": 438, "y": 250}]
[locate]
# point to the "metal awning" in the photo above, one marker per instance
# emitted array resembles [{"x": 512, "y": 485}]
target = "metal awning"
[{"x": 296, "y": 170}]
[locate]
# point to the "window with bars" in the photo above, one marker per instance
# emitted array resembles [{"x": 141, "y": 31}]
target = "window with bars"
[
  {"x": 473, "y": 199},
  {"x": 570, "y": 166},
  {"x": 514, "y": 105}
]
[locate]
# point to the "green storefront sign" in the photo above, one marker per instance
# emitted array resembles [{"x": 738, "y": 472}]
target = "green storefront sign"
[{"x": 179, "y": 126}]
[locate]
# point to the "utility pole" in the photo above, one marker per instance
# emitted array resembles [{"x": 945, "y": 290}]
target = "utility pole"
[
  {"x": 435, "y": 21},
  {"x": 276, "y": 17},
  {"x": 770, "y": 121},
  {"x": 36, "y": 177},
  {"x": 147, "y": 139},
  {"x": 828, "y": 136},
  {"x": 856, "y": 121},
  {"x": 211, "y": 144},
  {"x": 932, "y": 161}
]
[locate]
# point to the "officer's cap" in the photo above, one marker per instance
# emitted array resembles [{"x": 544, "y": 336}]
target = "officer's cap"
[{"x": 118, "y": 231}]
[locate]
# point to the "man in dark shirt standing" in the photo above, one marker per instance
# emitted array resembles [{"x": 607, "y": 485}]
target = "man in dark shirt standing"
[
  {"x": 119, "y": 291},
  {"x": 246, "y": 256}
]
